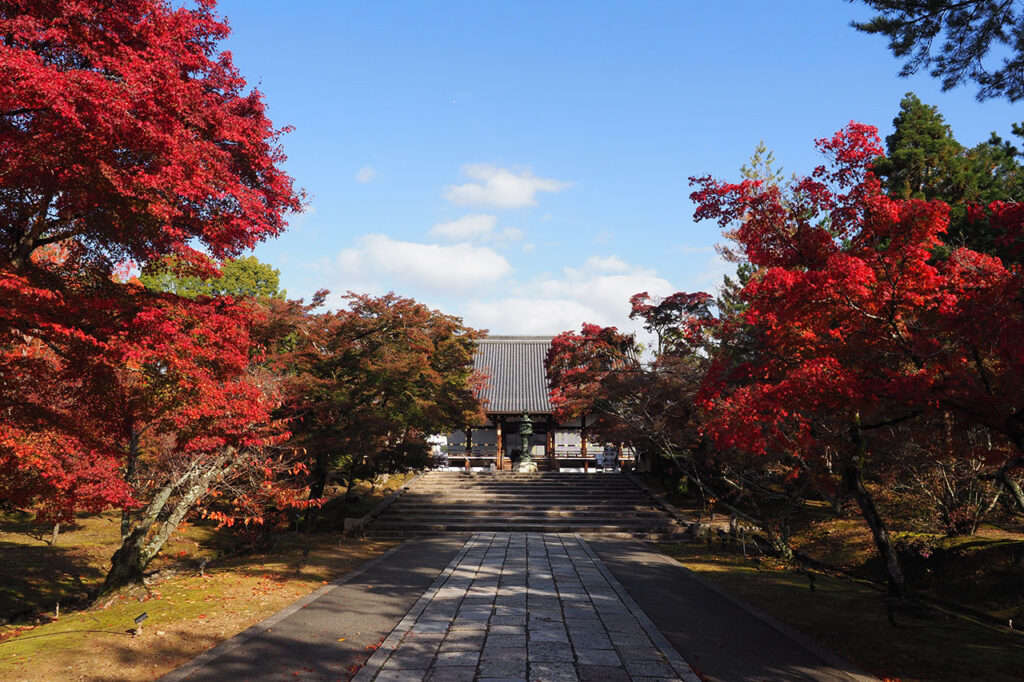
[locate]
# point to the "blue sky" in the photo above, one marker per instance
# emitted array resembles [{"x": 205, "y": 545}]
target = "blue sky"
[{"x": 525, "y": 165}]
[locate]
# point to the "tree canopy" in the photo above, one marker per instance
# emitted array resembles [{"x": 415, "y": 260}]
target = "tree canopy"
[
  {"x": 923, "y": 160},
  {"x": 855, "y": 348},
  {"x": 244, "y": 277},
  {"x": 124, "y": 131},
  {"x": 128, "y": 140},
  {"x": 980, "y": 41}
]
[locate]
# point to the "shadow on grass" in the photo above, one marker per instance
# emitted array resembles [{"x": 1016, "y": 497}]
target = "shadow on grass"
[
  {"x": 36, "y": 577},
  {"x": 61, "y": 633},
  {"x": 313, "y": 558},
  {"x": 23, "y": 523},
  {"x": 127, "y": 652}
]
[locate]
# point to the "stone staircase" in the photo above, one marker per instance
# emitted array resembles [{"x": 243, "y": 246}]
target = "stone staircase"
[{"x": 451, "y": 502}]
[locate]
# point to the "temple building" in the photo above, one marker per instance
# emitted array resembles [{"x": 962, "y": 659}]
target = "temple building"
[{"x": 516, "y": 391}]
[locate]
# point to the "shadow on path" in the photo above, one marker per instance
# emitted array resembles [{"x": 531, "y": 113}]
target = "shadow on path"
[
  {"x": 721, "y": 640},
  {"x": 334, "y": 633}
]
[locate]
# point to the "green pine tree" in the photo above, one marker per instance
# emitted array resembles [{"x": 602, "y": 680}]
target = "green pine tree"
[{"x": 923, "y": 160}]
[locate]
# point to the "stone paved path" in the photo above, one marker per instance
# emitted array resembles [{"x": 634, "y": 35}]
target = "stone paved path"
[{"x": 526, "y": 606}]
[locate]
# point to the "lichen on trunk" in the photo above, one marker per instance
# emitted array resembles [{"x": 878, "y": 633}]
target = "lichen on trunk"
[{"x": 162, "y": 515}]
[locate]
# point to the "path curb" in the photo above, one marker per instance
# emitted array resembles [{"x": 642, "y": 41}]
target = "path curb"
[
  {"x": 676, "y": 660},
  {"x": 374, "y": 663}
]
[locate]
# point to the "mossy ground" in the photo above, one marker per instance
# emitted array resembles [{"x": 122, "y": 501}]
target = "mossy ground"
[{"x": 187, "y": 612}]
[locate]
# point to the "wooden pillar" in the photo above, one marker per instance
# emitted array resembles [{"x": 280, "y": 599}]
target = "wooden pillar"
[
  {"x": 549, "y": 444},
  {"x": 497, "y": 426},
  {"x": 469, "y": 446},
  {"x": 583, "y": 436}
]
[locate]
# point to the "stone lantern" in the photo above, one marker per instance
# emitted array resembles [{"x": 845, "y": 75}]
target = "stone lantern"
[{"x": 525, "y": 463}]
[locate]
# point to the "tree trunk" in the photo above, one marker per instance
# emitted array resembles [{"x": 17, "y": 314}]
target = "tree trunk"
[
  {"x": 129, "y": 478},
  {"x": 127, "y": 564},
  {"x": 350, "y": 482},
  {"x": 853, "y": 479},
  {"x": 779, "y": 544},
  {"x": 317, "y": 486},
  {"x": 27, "y": 243},
  {"x": 1007, "y": 482},
  {"x": 155, "y": 525}
]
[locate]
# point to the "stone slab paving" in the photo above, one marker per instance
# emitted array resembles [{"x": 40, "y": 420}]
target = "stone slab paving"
[{"x": 525, "y": 606}]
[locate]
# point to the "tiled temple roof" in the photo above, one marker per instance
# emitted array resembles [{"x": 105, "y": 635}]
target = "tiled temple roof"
[{"x": 516, "y": 380}]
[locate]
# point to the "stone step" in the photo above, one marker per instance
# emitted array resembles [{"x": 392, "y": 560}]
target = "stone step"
[
  {"x": 635, "y": 517},
  {"x": 507, "y": 490},
  {"x": 653, "y": 536},
  {"x": 530, "y": 500},
  {"x": 525, "y": 526},
  {"x": 525, "y": 490},
  {"x": 553, "y": 479},
  {"x": 538, "y": 487},
  {"x": 526, "y": 493},
  {"x": 443, "y": 513},
  {"x": 508, "y": 475},
  {"x": 426, "y": 507},
  {"x": 458, "y": 503},
  {"x": 574, "y": 479},
  {"x": 514, "y": 503}
]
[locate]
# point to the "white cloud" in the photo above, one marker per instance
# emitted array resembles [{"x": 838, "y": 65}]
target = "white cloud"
[
  {"x": 597, "y": 292},
  {"x": 468, "y": 227},
  {"x": 526, "y": 315},
  {"x": 477, "y": 227},
  {"x": 476, "y": 282},
  {"x": 365, "y": 174},
  {"x": 500, "y": 187},
  {"x": 378, "y": 263},
  {"x": 509, "y": 235},
  {"x": 609, "y": 264}
]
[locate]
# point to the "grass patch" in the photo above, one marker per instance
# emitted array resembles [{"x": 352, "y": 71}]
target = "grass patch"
[
  {"x": 970, "y": 587},
  {"x": 851, "y": 619},
  {"x": 35, "y": 575},
  {"x": 188, "y": 612}
]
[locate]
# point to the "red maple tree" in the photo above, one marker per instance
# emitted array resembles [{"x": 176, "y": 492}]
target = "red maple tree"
[
  {"x": 644, "y": 397},
  {"x": 193, "y": 408},
  {"x": 124, "y": 135},
  {"x": 123, "y": 129},
  {"x": 860, "y": 323}
]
